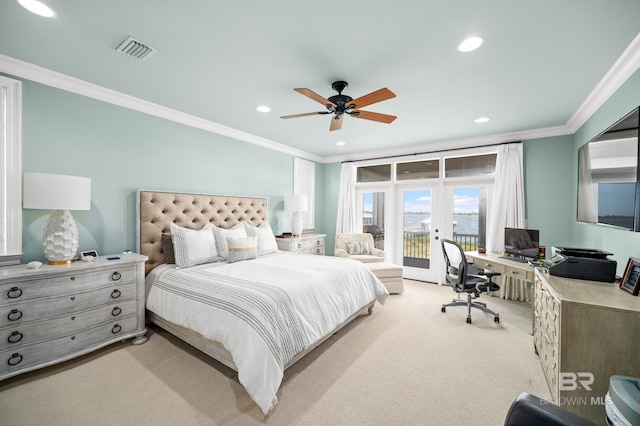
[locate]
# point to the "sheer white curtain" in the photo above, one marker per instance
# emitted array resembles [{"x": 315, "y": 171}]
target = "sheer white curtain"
[
  {"x": 346, "y": 221},
  {"x": 507, "y": 208},
  {"x": 587, "y": 189},
  {"x": 507, "y": 211}
]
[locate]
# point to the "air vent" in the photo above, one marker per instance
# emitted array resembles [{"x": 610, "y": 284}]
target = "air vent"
[{"x": 136, "y": 49}]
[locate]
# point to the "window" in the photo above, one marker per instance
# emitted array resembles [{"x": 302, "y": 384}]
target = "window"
[
  {"x": 473, "y": 165},
  {"x": 426, "y": 169},
  {"x": 379, "y": 173},
  {"x": 11, "y": 171}
]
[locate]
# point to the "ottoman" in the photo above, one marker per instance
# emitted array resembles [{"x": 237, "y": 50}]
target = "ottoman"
[{"x": 389, "y": 273}]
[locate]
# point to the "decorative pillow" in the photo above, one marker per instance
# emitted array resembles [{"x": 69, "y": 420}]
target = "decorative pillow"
[
  {"x": 242, "y": 248},
  {"x": 237, "y": 231},
  {"x": 266, "y": 240},
  {"x": 358, "y": 247},
  {"x": 191, "y": 247},
  {"x": 167, "y": 249}
]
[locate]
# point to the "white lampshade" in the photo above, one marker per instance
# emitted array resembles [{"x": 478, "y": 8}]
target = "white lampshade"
[
  {"x": 295, "y": 203},
  {"x": 59, "y": 193}
]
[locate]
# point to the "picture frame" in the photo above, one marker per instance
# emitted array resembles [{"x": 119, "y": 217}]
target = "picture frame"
[
  {"x": 631, "y": 278},
  {"x": 92, "y": 253}
]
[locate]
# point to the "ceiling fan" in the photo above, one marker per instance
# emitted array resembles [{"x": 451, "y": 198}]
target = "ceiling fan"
[{"x": 340, "y": 104}]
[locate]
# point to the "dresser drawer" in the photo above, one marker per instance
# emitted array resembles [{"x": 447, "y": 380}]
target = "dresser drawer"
[
  {"x": 313, "y": 250},
  {"x": 17, "y": 335},
  {"x": 64, "y": 284},
  {"x": 22, "y": 312},
  {"x": 12, "y": 360}
]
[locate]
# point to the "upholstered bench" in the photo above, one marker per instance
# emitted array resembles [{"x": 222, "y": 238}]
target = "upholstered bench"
[{"x": 389, "y": 273}]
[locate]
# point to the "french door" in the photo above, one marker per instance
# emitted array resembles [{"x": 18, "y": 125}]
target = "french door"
[{"x": 419, "y": 224}]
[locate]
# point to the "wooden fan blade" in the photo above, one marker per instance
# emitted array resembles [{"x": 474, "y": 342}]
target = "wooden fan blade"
[
  {"x": 305, "y": 114},
  {"x": 336, "y": 123},
  {"x": 372, "y": 98},
  {"x": 375, "y": 116},
  {"x": 313, "y": 95}
]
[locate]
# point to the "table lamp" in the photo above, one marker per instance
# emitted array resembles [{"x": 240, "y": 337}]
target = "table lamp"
[
  {"x": 295, "y": 204},
  {"x": 59, "y": 193}
]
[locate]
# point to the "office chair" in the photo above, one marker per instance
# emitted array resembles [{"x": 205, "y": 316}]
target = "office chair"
[{"x": 458, "y": 277}]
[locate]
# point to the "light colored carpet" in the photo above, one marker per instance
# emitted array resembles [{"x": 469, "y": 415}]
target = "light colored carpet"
[{"x": 406, "y": 364}]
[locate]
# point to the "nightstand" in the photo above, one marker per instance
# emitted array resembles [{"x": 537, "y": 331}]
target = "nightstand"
[
  {"x": 55, "y": 313},
  {"x": 305, "y": 244}
]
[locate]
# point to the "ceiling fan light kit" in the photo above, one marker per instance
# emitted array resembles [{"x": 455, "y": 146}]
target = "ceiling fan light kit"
[{"x": 340, "y": 104}]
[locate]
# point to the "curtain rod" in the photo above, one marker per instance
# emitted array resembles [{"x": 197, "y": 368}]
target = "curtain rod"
[{"x": 427, "y": 152}]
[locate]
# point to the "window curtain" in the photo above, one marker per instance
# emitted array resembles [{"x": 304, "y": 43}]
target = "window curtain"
[
  {"x": 507, "y": 208},
  {"x": 508, "y": 211},
  {"x": 587, "y": 189},
  {"x": 346, "y": 221}
]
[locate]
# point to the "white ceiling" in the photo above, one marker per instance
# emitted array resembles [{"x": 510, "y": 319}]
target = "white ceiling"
[{"x": 219, "y": 60}]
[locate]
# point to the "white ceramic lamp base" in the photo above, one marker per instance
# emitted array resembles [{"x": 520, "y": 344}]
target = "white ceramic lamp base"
[
  {"x": 296, "y": 224},
  {"x": 60, "y": 240}
]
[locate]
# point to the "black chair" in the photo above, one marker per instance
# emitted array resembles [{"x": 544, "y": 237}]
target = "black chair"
[
  {"x": 527, "y": 410},
  {"x": 462, "y": 281}
]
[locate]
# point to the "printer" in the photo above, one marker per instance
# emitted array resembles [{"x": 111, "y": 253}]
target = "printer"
[{"x": 583, "y": 264}]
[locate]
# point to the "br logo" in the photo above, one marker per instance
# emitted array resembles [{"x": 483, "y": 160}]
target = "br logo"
[{"x": 573, "y": 381}]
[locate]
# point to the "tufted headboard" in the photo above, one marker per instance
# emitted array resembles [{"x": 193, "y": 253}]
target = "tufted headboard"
[{"x": 157, "y": 209}]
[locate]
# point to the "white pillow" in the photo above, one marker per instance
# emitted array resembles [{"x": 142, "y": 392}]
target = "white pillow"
[
  {"x": 191, "y": 247},
  {"x": 237, "y": 231},
  {"x": 266, "y": 240},
  {"x": 243, "y": 248}
]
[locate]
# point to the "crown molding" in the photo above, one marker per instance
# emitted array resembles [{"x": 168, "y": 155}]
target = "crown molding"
[
  {"x": 64, "y": 82},
  {"x": 627, "y": 64},
  {"x": 454, "y": 144}
]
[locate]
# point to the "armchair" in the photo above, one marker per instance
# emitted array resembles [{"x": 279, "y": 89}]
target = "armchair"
[{"x": 359, "y": 247}]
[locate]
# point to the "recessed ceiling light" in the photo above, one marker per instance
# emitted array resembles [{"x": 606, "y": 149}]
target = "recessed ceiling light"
[
  {"x": 341, "y": 143},
  {"x": 263, "y": 108},
  {"x": 482, "y": 119},
  {"x": 37, "y": 7},
  {"x": 472, "y": 43}
]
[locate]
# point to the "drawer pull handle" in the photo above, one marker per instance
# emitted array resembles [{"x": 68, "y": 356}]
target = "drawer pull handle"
[
  {"x": 15, "y": 359},
  {"x": 73, "y": 278},
  {"x": 14, "y": 293},
  {"x": 299, "y": 245},
  {"x": 73, "y": 298},
  {"x": 15, "y": 337},
  {"x": 318, "y": 242},
  {"x": 116, "y": 311},
  {"x": 14, "y": 315},
  {"x": 116, "y": 329},
  {"x": 115, "y": 294},
  {"x": 116, "y": 276}
]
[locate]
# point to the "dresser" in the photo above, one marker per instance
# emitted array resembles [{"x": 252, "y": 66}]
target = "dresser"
[
  {"x": 55, "y": 313},
  {"x": 584, "y": 332},
  {"x": 306, "y": 244}
]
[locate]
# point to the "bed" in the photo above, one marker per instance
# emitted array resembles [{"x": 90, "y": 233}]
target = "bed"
[{"x": 258, "y": 313}]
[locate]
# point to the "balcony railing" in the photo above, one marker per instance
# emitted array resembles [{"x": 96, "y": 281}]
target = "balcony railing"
[{"x": 417, "y": 244}]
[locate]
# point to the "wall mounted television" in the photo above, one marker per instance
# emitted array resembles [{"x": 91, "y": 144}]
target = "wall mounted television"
[
  {"x": 609, "y": 176},
  {"x": 522, "y": 242}
]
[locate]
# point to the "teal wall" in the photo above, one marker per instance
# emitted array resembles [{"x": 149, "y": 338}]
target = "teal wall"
[
  {"x": 623, "y": 244},
  {"x": 123, "y": 150},
  {"x": 548, "y": 180}
]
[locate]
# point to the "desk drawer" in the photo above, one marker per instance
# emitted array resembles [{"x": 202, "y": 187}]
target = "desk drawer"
[{"x": 488, "y": 265}]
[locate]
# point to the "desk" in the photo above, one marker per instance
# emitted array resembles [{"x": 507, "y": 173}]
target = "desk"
[{"x": 515, "y": 274}]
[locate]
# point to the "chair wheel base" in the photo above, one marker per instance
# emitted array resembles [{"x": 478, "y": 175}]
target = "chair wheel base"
[
  {"x": 496, "y": 319},
  {"x": 443, "y": 309},
  {"x": 468, "y": 320}
]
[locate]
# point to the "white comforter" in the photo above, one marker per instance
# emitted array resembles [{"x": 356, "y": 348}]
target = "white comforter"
[{"x": 264, "y": 311}]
